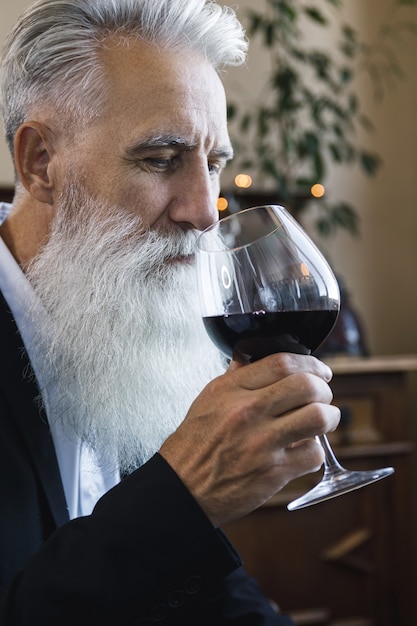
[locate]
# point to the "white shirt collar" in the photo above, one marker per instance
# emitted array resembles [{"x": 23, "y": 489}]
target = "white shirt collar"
[
  {"x": 83, "y": 480},
  {"x": 4, "y": 210}
]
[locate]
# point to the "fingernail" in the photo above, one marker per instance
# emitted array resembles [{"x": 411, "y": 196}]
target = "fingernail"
[{"x": 328, "y": 374}]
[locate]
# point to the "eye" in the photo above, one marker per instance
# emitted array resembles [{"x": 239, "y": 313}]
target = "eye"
[
  {"x": 215, "y": 167},
  {"x": 159, "y": 163},
  {"x": 162, "y": 164}
]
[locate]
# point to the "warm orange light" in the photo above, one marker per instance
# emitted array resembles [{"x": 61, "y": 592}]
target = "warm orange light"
[
  {"x": 222, "y": 204},
  {"x": 317, "y": 190},
  {"x": 244, "y": 181},
  {"x": 304, "y": 269}
]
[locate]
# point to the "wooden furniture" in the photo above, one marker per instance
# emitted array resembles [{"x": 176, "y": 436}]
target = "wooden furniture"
[{"x": 349, "y": 561}]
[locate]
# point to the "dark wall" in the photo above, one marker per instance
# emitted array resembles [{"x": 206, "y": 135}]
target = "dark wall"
[{"x": 6, "y": 194}]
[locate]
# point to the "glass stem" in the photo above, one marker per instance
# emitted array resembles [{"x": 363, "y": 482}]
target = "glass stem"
[{"x": 332, "y": 466}]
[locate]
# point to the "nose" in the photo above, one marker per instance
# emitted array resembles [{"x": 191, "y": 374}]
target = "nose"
[{"x": 194, "y": 206}]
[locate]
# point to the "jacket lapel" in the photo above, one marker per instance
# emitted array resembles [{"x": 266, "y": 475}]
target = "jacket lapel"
[{"x": 20, "y": 393}]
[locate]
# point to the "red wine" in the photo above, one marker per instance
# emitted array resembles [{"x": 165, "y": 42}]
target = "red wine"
[{"x": 252, "y": 336}]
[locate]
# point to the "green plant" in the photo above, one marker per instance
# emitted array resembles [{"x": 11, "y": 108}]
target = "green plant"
[{"x": 309, "y": 113}]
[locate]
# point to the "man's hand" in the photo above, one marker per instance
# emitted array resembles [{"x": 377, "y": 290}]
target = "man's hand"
[{"x": 251, "y": 431}]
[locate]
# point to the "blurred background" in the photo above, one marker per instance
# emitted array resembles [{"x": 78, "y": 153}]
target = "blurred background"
[{"x": 377, "y": 265}]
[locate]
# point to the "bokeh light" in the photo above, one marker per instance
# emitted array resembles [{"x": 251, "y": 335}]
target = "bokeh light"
[
  {"x": 222, "y": 204},
  {"x": 317, "y": 190},
  {"x": 244, "y": 181}
]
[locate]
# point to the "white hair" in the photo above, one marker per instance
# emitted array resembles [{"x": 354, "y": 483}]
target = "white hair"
[
  {"x": 53, "y": 53},
  {"x": 119, "y": 346}
]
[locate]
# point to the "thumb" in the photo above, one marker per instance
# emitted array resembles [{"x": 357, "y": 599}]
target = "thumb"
[{"x": 236, "y": 364}]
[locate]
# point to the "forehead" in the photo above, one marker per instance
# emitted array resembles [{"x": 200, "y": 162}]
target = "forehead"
[{"x": 162, "y": 90}]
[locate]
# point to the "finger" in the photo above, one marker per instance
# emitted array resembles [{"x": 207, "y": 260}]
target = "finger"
[
  {"x": 307, "y": 456},
  {"x": 283, "y": 397},
  {"x": 295, "y": 391},
  {"x": 306, "y": 422},
  {"x": 275, "y": 367}
]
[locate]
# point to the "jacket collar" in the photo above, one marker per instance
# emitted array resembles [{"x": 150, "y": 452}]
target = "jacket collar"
[{"x": 21, "y": 392}]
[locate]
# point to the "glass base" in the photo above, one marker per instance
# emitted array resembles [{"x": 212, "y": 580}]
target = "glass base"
[{"x": 338, "y": 484}]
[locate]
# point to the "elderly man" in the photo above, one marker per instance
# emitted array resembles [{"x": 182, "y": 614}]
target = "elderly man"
[{"x": 125, "y": 444}]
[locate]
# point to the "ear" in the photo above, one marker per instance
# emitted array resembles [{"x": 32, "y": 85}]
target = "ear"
[{"x": 33, "y": 154}]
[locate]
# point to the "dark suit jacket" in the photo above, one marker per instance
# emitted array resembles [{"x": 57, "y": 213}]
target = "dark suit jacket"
[{"x": 147, "y": 554}]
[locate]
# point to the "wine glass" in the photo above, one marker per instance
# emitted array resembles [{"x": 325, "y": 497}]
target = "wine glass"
[{"x": 264, "y": 287}]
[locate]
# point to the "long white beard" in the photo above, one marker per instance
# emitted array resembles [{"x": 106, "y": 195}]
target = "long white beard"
[{"x": 122, "y": 341}]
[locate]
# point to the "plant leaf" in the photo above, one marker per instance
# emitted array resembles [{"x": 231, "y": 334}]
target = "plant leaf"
[
  {"x": 369, "y": 162},
  {"x": 316, "y": 15}
]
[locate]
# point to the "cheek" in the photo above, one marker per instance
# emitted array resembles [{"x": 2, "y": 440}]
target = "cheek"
[
  {"x": 149, "y": 201},
  {"x": 123, "y": 188}
]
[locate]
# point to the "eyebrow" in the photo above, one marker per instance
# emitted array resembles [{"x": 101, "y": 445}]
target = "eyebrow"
[{"x": 173, "y": 141}]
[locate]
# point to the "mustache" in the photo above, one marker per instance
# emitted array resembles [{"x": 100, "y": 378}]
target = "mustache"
[
  {"x": 115, "y": 229},
  {"x": 175, "y": 244}
]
